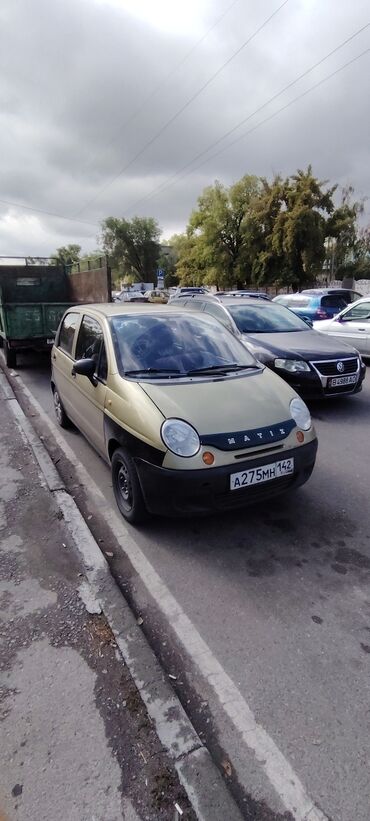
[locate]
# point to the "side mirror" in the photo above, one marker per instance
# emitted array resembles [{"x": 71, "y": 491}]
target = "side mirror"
[{"x": 85, "y": 367}]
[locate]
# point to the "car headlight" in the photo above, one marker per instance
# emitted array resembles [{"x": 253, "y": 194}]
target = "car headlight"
[
  {"x": 292, "y": 365},
  {"x": 180, "y": 437},
  {"x": 300, "y": 413}
]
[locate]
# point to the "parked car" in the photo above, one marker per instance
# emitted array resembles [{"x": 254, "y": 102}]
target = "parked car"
[
  {"x": 187, "y": 418},
  {"x": 351, "y": 326},
  {"x": 254, "y": 294},
  {"x": 187, "y": 290},
  {"x": 158, "y": 295},
  {"x": 318, "y": 303},
  {"x": 313, "y": 365},
  {"x": 132, "y": 296}
]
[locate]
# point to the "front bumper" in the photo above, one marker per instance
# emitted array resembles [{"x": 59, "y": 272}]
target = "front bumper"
[
  {"x": 189, "y": 492},
  {"x": 313, "y": 385}
]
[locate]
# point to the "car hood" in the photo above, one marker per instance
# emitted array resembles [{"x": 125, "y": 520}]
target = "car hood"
[
  {"x": 298, "y": 344},
  {"x": 323, "y": 324},
  {"x": 217, "y": 405}
]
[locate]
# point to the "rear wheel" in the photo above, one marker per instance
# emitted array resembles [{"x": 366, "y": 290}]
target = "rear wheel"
[
  {"x": 126, "y": 487},
  {"x": 10, "y": 356},
  {"x": 60, "y": 413}
]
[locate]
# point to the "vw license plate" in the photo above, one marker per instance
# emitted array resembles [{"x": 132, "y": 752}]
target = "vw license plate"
[
  {"x": 254, "y": 476},
  {"x": 342, "y": 380}
]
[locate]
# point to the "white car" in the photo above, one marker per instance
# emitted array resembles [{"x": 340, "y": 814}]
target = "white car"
[{"x": 352, "y": 325}]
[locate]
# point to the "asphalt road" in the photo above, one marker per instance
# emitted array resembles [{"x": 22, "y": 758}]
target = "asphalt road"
[{"x": 280, "y": 594}]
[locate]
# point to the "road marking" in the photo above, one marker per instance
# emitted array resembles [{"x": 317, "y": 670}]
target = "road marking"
[{"x": 278, "y": 770}]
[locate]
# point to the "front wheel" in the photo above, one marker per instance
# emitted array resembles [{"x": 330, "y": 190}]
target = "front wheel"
[
  {"x": 126, "y": 487},
  {"x": 60, "y": 413}
]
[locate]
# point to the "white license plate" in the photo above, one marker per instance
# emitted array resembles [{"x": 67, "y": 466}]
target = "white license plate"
[
  {"x": 254, "y": 476},
  {"x": 342, "y": 380},
  {"x": 50, "y": 341}
]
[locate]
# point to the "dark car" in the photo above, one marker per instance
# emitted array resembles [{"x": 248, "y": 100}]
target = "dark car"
[
  {"x": 318, "y": 303},
  {"x": 313, "y": 364}
]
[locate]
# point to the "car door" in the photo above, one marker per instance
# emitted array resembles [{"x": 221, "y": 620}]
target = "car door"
[
  {"x": 62, "y": 360},
  {"x": 353, "y": 326},
  {"x": 89, "y": 397}
]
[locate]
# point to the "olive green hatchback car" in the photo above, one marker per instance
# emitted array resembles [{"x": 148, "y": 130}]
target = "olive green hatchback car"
[{"x": 189, "y": 421}]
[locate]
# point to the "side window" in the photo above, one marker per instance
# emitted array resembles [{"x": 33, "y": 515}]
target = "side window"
[
  {"x": 221, "y": 315},
  {"x": 361, "y": 312},
  {"x": 90, "y": 345},
  {"x": 333, "y": 301},
  {"x": 67, "y": 332},
  {"x": 196, "y": 304},
  {"x": 102, "y": 371}
]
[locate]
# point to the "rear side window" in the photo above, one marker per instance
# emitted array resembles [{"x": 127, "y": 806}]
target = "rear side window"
[
  {"x": 333, "y": 301},
  {"x": 67, "y": 332},
  {"x": 90, "y": 344},
  {"x": 361, "y": 311}
]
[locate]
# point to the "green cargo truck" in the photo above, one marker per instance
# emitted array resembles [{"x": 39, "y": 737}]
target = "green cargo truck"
[
  {"x": 33, "y": 298},
  {"x": 32, "y": 302}
]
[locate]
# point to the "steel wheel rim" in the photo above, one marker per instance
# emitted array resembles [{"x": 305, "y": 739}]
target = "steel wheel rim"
[
  {"x": 57, "y": 406},
  {"x": 124, "y": 484}
]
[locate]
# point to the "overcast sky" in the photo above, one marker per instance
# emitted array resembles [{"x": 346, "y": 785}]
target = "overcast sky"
[{"x": 86, "y": 85}]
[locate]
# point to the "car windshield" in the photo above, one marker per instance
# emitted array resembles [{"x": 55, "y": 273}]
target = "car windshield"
[
  {"x": 172, "y": 346},
  {"x": 265, "y": 318}
]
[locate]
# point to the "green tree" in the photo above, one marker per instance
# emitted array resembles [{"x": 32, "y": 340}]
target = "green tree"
[
  {"x": 218, "y": 237},
  {"x": 342, "y": 226},
  {"x": 67, "y": 254},
  {"x": 133, "y": 246},
  {"x": 167, "y": 263},
  {"x": 290, "y": 227}
]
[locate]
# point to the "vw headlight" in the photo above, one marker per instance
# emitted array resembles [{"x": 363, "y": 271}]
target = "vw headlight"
[
  {"x": 180, "y": 437},
  {"x": 300, "y": 413},
  {"x": 292, "y": 365}
]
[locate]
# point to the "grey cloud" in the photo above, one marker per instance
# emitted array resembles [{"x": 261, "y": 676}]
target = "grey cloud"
[{"x": 74, "y": 73}]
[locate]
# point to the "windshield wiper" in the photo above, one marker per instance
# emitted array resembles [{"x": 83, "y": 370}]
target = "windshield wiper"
[
  {"x": 221, "y": 369},
  {"x": 150, "y": 371}
]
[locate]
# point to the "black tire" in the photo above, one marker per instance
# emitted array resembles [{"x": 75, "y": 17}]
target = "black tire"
[
  {"x": 10, "y": 356},
  {"x": 60, "y": 413},
  {"x": 126, "y": 487}
]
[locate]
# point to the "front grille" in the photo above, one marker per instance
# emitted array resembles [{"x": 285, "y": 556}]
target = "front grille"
[{"x": 330, "y": 368}]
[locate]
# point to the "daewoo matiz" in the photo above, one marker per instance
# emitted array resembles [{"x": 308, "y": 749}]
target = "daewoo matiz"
[{"x": 189, "y": 421}]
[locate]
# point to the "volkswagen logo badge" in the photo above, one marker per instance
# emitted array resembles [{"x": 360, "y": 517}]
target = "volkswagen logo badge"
[{"x": 340, "y": 367}]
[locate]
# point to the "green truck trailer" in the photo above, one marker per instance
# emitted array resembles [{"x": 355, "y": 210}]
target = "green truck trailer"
[{"x": 33, "y": 299}]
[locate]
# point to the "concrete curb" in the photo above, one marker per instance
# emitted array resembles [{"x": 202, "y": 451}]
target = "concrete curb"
[{"x": 199, "y": 775}]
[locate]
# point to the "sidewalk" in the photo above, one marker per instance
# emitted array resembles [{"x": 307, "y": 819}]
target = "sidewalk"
[{"x": 76, "y": 741}]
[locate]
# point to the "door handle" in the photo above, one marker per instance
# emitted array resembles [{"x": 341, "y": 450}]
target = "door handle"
[{"x": 361, "y": 329}]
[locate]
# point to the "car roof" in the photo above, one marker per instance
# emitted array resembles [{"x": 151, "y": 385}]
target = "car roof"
[
  {"x": 320, "y": 291},
  {"x": 229, "y": 300},
  {"x": 116, "y": 308}
]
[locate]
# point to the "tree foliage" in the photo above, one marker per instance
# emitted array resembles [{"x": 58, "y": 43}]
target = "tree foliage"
[
  {"x": 67, "y": 254},
  {"x": 259, "y": 232},
  {"x": 132, "y": 246}
]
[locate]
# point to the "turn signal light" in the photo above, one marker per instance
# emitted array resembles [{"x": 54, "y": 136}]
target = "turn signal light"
[
  {"x": 208, "y": 457},
  {"x": 300, "y": 436}
]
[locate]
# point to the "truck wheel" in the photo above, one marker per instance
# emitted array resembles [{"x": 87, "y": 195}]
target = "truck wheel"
[
  {"x": 126, "y": 487},
  {"x": 60, "y": 413},
  {"x": 10, "y": 356}
]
